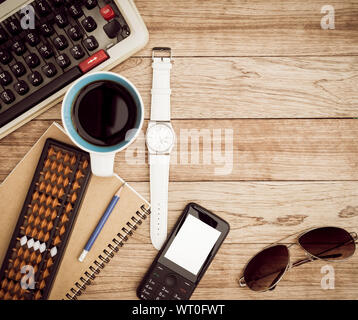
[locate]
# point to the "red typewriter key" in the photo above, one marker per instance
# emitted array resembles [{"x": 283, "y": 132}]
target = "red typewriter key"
[
  {"x": 107, "y": 12},
  {"x": 93, "y": 61}
]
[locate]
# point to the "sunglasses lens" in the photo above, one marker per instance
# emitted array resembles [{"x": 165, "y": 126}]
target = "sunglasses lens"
[
  {"x": 266, "y": 268},
  {"x": 328, "y": 243}
]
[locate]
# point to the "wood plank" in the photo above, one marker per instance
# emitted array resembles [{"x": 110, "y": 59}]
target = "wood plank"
[
  {"x": 251, "y": 87},
  {"x": 259, "y": 213},
  {"x": 261, "y": 150},
  {"x": 281, "y": 149},
  {"x": 121, "y": 277},
  {"x": 264, "y": 212},
  {"x": 268, "y": 60},
  {"x": 249, "y": 28}
]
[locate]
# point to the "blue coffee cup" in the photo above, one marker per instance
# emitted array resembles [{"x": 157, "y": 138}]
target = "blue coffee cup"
[{"x": 102, "y": 157}]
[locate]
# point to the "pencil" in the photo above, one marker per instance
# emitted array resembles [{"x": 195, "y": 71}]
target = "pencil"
[{"x": 100, "y": 224}]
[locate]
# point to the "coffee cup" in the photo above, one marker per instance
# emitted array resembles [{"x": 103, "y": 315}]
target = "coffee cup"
[{"x": 102, "y": 114}]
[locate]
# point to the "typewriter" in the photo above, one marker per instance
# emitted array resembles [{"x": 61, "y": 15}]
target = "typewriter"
[{"x": 45, "y": 45}]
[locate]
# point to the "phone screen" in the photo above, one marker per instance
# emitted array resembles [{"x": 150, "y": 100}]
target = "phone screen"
[{"x": 192, "y": 244}]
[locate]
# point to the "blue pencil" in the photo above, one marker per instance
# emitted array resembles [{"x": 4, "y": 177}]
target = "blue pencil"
[{"x": 100, "y": 224}]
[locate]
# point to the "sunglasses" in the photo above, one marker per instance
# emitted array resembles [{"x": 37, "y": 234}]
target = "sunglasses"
[{"x": 265, "y": 270}]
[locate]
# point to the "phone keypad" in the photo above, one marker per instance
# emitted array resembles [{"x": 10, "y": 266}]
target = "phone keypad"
[{"x": 162, "y": 284}]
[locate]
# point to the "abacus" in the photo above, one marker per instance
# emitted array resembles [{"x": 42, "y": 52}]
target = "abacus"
[{"x": 44, "y": 226}]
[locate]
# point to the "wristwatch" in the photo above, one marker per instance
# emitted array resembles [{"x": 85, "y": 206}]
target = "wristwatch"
[{"x": 160, "y": 139}]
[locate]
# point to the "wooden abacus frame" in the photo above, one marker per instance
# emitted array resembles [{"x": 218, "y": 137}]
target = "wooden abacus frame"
[{"x": 58, "y": 186}]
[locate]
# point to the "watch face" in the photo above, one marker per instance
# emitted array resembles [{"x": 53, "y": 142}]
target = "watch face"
[{"x": 160, "y": 137}]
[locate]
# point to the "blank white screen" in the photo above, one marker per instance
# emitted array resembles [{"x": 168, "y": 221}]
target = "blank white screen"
[{"x": 192, "y": 244}]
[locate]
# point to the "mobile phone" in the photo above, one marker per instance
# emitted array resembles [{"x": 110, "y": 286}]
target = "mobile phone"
[{"x": 185, "y": 256}]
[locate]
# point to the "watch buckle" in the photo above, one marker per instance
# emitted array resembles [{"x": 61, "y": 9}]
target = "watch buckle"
[{"x": 162, "y": 49}]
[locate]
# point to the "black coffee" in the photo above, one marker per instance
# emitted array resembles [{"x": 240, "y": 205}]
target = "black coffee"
[{"x": 103, "y": 112}]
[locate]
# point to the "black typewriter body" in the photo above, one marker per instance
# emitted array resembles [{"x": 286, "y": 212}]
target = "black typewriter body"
[{"x": 69, "y": 39}]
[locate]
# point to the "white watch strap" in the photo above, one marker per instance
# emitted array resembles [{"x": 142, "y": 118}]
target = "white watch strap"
[
  {"x": 160, "y": 109},
  {"x": 159, "y": 180}
]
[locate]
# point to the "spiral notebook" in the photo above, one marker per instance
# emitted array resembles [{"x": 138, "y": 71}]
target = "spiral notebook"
[{"x": 73, "y": 276}]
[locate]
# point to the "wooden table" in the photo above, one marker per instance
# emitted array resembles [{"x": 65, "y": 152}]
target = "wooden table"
[{"x": 286, "y": 90}]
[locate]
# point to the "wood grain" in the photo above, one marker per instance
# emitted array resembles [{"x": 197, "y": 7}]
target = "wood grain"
[
  {"x": 121, "y": 277},
  {"x": 249, "y": 28},
  {"x": 286, "y": 88},
  {"x": 251, "y": 87},
  {"x": 260, "y": 213},
  {"x": 264, "y": 212},
  {"x": 281, "y": 149}
]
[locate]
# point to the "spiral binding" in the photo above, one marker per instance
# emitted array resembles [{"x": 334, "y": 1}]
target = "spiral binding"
[{"x": 107, "y": 254}]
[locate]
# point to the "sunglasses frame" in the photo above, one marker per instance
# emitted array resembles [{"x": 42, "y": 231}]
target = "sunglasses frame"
[{"x": 291, "y": 265}]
